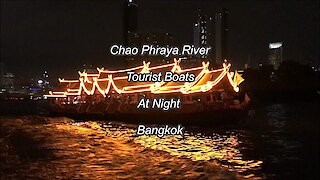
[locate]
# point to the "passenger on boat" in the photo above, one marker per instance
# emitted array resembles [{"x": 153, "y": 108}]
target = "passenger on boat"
[
  {"x": 223, "y": 95},
  {"x": 227, "y": 99}
]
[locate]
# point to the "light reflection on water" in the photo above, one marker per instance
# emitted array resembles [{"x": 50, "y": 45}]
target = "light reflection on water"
[
  {"x": 280, "y": 142},
  {"x": 196, "y": 146},
  {"x": 277, "y": 143}
]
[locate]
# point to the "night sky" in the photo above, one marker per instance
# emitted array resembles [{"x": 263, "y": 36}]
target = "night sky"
[{"x": 61, "y": 36}]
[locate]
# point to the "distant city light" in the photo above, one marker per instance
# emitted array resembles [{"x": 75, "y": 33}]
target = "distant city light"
[{"x": 275, "y": 45}]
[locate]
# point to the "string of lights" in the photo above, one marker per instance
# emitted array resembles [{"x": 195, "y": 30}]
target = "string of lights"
[{"x": 93, "y": 83}]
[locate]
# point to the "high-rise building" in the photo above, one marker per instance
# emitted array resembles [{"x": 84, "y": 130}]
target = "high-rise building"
[
  {"x": 275, "y": 54},
  {"x": 221, "y": 36},
  {"x": 130, "y": 25},
  {"x": 1, "y": 73},
  {"x": 155, "y": 38},
  {"x": 8, "y": 81},
  {"x": 202, "y": 32}
]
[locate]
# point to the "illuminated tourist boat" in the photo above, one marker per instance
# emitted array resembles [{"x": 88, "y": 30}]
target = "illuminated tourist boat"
[{"x": 109, "y": 93}]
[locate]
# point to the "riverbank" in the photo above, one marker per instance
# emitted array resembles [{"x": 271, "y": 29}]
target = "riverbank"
[{"x": 42, "y": 147}]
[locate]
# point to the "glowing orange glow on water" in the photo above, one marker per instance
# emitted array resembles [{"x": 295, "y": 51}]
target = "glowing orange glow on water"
[{"x": 194, "y": 146}]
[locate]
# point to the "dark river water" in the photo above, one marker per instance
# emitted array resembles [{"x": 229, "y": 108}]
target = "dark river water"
[
  {"x": 279, "y": 141},
  {"x": 286, "y": 138}
]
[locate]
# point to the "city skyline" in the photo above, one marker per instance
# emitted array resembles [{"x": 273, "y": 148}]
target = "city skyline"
[{"x": 62, "y": 36}]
